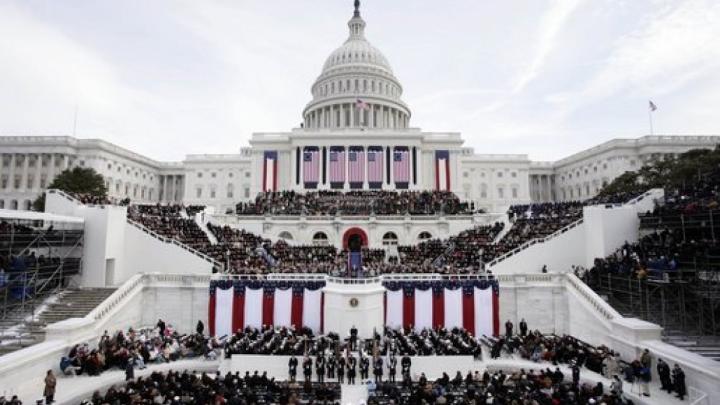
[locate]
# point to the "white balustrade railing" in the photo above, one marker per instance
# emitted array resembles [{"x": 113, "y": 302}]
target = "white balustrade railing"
[{"x": 601, "y": 307}]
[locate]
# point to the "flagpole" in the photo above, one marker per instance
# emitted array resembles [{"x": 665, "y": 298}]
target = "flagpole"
[{"x": 651, "y": 121}]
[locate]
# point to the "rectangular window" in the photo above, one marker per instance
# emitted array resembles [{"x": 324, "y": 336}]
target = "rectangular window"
[
  {"x": 514, "y": 193},
  {"x": 501, "y": 193},
  {"x": 198, "y": 193},
  {"x": 247, "y": 192}
]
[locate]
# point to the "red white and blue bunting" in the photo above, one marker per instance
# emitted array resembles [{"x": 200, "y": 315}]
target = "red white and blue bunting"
[
  {"x": 472, "y": 305},
  {"x": 236, "y": 304}
]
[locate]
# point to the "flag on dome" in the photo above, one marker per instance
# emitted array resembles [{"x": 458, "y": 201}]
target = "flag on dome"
[
  {"x": 361, "y": 105},
  {"x": 652, "y": 106}
]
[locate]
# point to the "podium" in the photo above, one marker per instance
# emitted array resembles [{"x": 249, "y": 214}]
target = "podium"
[{"x": 355, "y": 302}]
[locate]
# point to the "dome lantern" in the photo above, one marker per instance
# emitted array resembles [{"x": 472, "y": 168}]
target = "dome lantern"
[{"x": 357, "y": 87}]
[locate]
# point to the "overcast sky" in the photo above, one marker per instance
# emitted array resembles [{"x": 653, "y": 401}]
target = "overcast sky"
[{"x": 545, "y": 78}]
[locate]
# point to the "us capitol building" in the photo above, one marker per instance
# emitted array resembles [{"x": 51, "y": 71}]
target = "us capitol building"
[{"x": 356, "y": 134}]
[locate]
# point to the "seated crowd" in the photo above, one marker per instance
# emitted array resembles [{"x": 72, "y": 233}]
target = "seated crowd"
[
  {"x": 186, "y": 387},
  {"x": 373, "y": 202},
  {"x": 137, "y": 348}
]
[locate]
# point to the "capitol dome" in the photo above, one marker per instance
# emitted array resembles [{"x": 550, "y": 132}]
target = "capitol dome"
[{"x": 357, "y": 87}]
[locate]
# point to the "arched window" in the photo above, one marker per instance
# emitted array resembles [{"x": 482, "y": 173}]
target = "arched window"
[
  {"x": 13, "y": 205},
  {"x": 424, "y": 236},
  {"x": 27, "y": 204},
  {"x": 2, "y": 204},
  {"x": 320, "y": 238},
  {"x": 390, "y": 238},
  {"x": 285, "y": 235}
]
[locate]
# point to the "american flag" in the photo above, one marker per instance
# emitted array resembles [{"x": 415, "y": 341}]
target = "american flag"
[
  {"x": 361, "y": 105},
  {"x": 337, "y": 165},
  {"x": 311, "y": 166},
  {"x": 401, "y": 166},
  {"x": 375, "y": 166},
  {"x": 652, "y": 106},
  {"x": 356, "y": 165}
]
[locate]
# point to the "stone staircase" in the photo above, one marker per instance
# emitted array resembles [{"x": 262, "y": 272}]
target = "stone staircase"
[
  {"x": 70, "y": 303},
  {"x": 706, "y": 346}
]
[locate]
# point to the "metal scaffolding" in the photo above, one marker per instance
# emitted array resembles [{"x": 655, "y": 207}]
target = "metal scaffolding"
[{"x": 37, "y": 258}]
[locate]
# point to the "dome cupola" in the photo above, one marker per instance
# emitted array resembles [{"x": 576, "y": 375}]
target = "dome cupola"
[{"x": 357, "y": 87}]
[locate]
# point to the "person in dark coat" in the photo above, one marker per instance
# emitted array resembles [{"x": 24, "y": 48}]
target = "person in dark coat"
[
  {"x": 392, "y": 368},
  {"x": 130, "y": 370},
  {"x": 678, "y": 376},
  {"x": 523, "y": 328},
  {"x": 307, "y": 368},
  {"x": 378, "y": 369},
  {"x": 351, "y": 369},
  {"x": 161, "y": 327},
  {"x": 200, "y": 328},
  {"x": 663, "y": 370},
  {"x": 331, "y": 363},
  {"x": 353, "y": 337},
  {"x": 575, "y": 374},
  {"x": 292, "y": 368},
  {"x": 320, "y": 368},
  {"x": 405, "y": 363},
  {"x": 341, "y": 369},
  {"x": 364, "y": 368},
  {"x": 508, "y": 328}
]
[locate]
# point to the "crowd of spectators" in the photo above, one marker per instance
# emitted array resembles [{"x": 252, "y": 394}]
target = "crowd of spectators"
[
  {"x": 363, "y": 203},
  {"x": 137, "y": 348},
  {"x": 169, "y": 221},
  {"x": 194, "y": 388},
  {"x": 498, "y": 387}
]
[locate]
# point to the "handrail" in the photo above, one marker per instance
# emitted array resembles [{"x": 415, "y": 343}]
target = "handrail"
[
  {"x": 534, "y": 241},
  {"x": 591, "y": 297},
  {"x": 174, "y": 242},
  {"x": 104, "y": 308}
]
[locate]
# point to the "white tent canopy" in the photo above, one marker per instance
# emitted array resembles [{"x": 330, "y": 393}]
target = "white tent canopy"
[{"x": 38, "y": 216}]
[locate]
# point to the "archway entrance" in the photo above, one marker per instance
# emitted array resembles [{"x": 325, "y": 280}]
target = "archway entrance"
[{"x": 354, "y": 239}]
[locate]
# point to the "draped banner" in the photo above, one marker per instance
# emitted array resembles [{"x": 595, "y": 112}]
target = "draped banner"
[
  {"x": 311, "y": 166},
  {"x": 270, "y": 167},
  {"x": 442, "y": 170},
  {"x": 236, "y": 304},
  {"x": 472, "y": 305}
]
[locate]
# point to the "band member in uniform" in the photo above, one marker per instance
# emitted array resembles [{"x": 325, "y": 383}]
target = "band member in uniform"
[
  {"x": 331, "y": 367},
  {"x": 320, "y": 368},
  {"x": 307, "y": 368},
  {"x": 392, "y": 368},
  {"x": 292, "y": 368},
  {"x": 351, "y": 369},
  {"x": 341, "y": 369},
  {"x": 364, "y": 367},
  {"x": 378, "y": 368}
]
